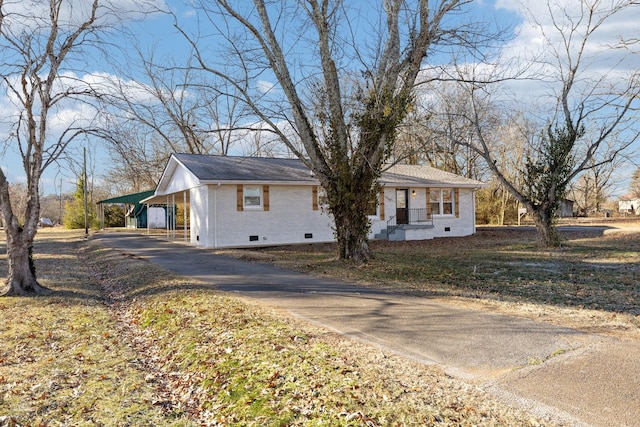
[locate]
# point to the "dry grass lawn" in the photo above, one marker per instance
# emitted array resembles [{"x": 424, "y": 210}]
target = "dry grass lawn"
[
  {"x": 121, "y": 342},
  {"x": 592, "y": 282}
]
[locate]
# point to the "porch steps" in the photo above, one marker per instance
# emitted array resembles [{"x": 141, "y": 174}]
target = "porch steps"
[{"x": 396, "y": 234}]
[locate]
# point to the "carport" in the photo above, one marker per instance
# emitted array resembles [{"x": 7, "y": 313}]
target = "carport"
[
  {"x": 172, "y": 201},
  {"x": 143, "y": 210}
]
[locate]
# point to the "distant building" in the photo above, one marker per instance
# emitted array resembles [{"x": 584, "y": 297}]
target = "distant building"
[
  {"x": 629, "y": 206},
  {"x": 566, "y": 208}
]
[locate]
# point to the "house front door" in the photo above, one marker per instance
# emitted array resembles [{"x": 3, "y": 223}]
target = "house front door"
[{"x": 402, "y": 206}]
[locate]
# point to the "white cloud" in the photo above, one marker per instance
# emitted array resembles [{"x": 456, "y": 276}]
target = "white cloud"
[
  {"x": 540, "y": 44},
  {"x": 538, "y": 31},
  {"x": 35, "y": 13},
  {"x": 190, "y": 13},
  {"x": 265, "y": 86}
]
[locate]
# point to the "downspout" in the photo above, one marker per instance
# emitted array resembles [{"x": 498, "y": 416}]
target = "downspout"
[
  {"x": 473, "y": 204},
  {"x": 215, "y": 216},
  {"x": 173, "y": 215}
]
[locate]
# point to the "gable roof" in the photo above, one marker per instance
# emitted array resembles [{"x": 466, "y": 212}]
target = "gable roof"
[
  {"x": 426, "y": 176},
  {"x": 208, "y": 169}
]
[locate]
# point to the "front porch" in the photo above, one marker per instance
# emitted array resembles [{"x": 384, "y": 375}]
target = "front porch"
[{"x": 407, "y": 224}]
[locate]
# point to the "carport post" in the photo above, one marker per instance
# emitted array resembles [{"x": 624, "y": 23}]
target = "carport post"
[{"x": 101, "y": 211}]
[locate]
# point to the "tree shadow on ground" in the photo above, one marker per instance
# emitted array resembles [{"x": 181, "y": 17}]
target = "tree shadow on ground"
[{"x": 592, "y": 270}]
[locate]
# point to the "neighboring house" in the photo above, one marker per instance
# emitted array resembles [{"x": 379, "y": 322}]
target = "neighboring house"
[
  {"x": 250, "y": 201},
  {"x": 629, "y": 206}
]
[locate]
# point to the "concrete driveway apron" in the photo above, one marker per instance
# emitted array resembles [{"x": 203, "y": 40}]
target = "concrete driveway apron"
[{"x": 553, "y": 371}]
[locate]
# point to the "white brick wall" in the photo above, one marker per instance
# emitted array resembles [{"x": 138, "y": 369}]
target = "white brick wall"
[
  {"x": 289, "y": 218},
  {"x": 216, "y": 222},
  {"x": 462, "y": 226},
  {"x": 199, "y": 216}
]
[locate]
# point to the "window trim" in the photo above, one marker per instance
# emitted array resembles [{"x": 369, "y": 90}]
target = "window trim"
[
  {"x": 379, "y": 211},
  {"x": 441, "y": 203},
  {"x": 260, "y": 196}
]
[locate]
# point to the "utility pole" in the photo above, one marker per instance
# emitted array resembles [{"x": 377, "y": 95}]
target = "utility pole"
[
  {"x": 60, "y": 213},
  {"x": 84, "y": 190}
]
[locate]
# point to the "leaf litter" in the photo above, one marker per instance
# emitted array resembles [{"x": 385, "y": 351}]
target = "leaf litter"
[{"x": 124, "y": 342}]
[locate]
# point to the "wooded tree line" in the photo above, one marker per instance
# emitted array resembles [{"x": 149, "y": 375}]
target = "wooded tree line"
[{"x": 344, "y": 86}]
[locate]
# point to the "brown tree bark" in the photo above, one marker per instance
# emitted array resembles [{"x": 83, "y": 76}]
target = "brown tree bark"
[
  {"x": 22, "y": 278},
  {"x": 34, "y": 62},
  {"x": 546, "y": 231}
]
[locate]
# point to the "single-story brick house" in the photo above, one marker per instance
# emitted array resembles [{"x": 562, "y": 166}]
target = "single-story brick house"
[{"x": 257, "y": 201}]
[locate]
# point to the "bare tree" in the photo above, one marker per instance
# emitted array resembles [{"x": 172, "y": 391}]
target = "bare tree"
[
  {"x": 594, "y": 186},
  {"x": 343, "y": 90},
  {"x": 435, "y": 126},
  {"x": 635, "y": 183},
  {"x": 178, "y": 109},
  {"x": 138, "y": 156},
  {"x": 589, "y": 114},
  {"x": 444, "y": 137},
  {"x": 35, "y": 48},
  {"x": 173, "y": 106}
]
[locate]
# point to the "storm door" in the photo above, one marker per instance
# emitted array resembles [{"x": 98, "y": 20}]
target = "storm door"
[{"x": 402, "y": 206}]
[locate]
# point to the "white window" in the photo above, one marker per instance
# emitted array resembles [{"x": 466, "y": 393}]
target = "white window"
[
  {"x": 442, "y": 202},
  {"x": 252, "y": 197}
]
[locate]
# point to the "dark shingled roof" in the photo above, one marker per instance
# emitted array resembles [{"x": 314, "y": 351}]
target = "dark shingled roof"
[
  {"x": 421, "y": 175},
  {"x": 211, "y": 169},
  {"x": 228, "y": 168}
]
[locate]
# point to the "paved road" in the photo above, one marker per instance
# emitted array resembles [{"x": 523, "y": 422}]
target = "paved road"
[{"x": 591, "y": 380}]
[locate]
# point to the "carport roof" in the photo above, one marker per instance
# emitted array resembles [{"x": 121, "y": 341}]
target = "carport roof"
[{"x": 134, "y": 198}]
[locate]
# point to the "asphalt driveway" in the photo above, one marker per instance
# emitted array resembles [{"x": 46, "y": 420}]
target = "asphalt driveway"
[{"x": 586, "y": 380}]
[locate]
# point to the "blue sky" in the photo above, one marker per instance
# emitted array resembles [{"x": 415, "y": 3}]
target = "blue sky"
[{"x": 157, "y": 30}]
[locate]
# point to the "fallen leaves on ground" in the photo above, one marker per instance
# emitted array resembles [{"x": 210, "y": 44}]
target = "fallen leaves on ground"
[{"x": 123, "y": 342}]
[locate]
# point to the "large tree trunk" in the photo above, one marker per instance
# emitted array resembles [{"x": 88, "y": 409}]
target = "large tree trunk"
[
  {"x": 22, "y": 278},
  {"x": 352, "y": 226},
  {"x": 547, "y": 233},
  {"x": 22, "y": 272},
  {"x": 352, "y": 190}
]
